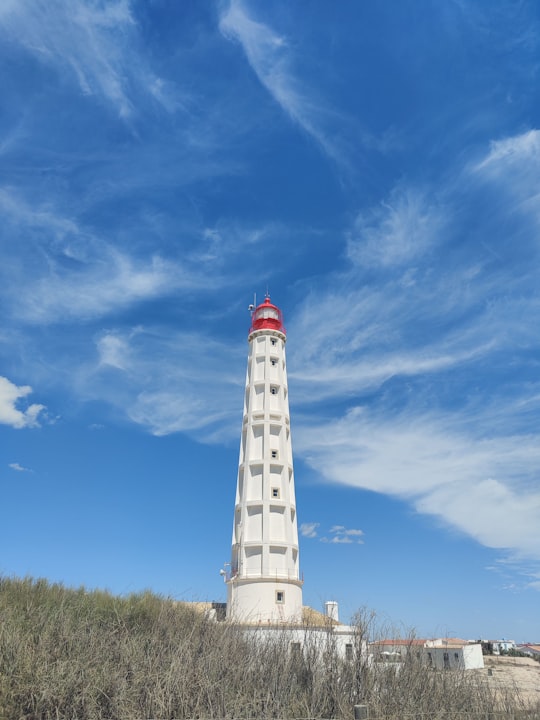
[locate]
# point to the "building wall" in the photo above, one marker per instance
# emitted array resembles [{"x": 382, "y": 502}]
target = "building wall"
[
  {"x": 341, "y": 638},
  {"x": 253, "y": 602},
  {"x": 434, "y": 653},
  {"x": 467, "y": 657}
]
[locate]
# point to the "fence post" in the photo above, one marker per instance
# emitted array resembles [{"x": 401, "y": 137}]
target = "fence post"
[{"x": 361, "y": 712}]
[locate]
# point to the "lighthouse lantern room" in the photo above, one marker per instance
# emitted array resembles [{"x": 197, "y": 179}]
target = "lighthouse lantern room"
[{"x": 263, "y": 581}]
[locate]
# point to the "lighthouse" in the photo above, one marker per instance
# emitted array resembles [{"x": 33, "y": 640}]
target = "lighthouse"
[{"x": 263, "y": 581}]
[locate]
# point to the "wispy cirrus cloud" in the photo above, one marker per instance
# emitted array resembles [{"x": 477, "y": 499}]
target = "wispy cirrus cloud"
[
  {"x": 512, "y": 165},
  {"x": 360, "y": 339},
  {"x": 89, "y": 42},
  {"x": 395, "y": 233},
  {"x": 110, "y": 282},
  {"x": 513, "y": 150},
  {"x": 75, "y": 274},
  {"x": 61, "y": 270},
  {"x": 396, "y": 355},
  {"x": 411, "y": 303},
  {"x": 163, "y": 380},
  {"x": 11, "y": 396},
  {"x": 269, "y": 55}
]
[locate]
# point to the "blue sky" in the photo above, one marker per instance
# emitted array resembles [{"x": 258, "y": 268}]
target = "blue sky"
[{"x": 376, "y": 166}]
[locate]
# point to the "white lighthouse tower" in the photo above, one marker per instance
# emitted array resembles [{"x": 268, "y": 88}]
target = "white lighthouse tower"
[{"x": 264, "y": 584}]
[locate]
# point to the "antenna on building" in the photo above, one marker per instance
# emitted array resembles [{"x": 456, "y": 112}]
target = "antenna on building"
[{"x": 251, "y": 308}]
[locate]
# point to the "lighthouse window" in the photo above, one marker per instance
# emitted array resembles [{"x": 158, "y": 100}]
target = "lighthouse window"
[
  {"x": 273, "y": 341},
  {"x": 266, "y": 313},
  {"x": 273, "y": 361},
  {"x": 280, "y": 596},
  {"x": 273, "y": 390},
  {"x": 274, "y": 453},
  {"x": 275, "y": 492}
]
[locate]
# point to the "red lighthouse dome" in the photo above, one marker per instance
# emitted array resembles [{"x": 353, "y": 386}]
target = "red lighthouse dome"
[{"x": 267, "y": 317}]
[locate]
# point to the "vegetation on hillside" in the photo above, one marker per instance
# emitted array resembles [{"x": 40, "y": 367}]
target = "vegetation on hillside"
[{"x": 77, "y": 654}]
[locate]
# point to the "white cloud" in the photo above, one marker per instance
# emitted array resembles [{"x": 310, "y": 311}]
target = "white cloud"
[
  {"x": 18, "y": 468},
  {"x": 168, "y": 382},
  {"x": 78, "y": 275},
  {"x": 350, "y": 341},
  {"x": 10, "y": 395},
  {"x": 429, "y": 366},
  {"x": 113, "y": 351},
  {"x": 340, "y": 535},
  {"x": 178, "y": 408},
  {"x": 337, "y": 540},
  {"x": 26, "y": 214},
  {"x": 342, "y": 530},
  {"x": 309, "y": 530},
  {"x": 268, "y": 54},
  {"x": 435, "y": 312},
  {"x": 485, "y": 487},
  {"x": 350, "y": 376},
  {"x": 513, "y": 165},
  {"x": 61, "y": 270},
  {"x": 510, "y": 151},
  {"x": 109, "y": 282},
  {"x": 396, "y": 232},
  {"x": 91, "y": 42}
]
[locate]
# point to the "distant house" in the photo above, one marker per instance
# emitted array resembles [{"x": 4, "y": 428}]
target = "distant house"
[
  {"x": 497, "y": 647},
  {"x": 505, "y": 645},
  {"x": 453, "y": 653},
  {"x": 529, "y": 649},
  {"x": 440, "y": 653}
]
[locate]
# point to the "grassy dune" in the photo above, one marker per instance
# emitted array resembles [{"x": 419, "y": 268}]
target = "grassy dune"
[{"x": 68, "y": 653}]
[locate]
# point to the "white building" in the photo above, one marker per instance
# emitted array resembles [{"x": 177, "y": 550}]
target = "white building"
[
  {"x": 453, "y": 654},
  {"x": 440, "y": 653},
  {"x": 500, "y": 646},
  {"x": 264, "y": 583}
]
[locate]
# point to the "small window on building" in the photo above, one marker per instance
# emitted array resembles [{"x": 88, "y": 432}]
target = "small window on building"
[
  {"x": 274, "y": 453},
  {"x": 296, "y": 648},
  {"x": 273, "y": 341},
  {"x": 430, "y": 659},
  {"x": 280, "y": 597},
  {"x": 273, "y": 390},
  {"x": 273, "y": 361},
  {"x": 275, "y": 492},
  {"x": 446, "y": 661},
  {"x": 348, "y": 651},
  {"x": 456, "y": 657}
]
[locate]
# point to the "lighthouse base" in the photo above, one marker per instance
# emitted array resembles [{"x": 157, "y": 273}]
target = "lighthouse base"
[{"x": 264, "y": 600}]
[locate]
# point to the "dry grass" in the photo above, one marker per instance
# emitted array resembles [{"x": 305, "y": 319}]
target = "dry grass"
[{"x": 78, "y": 654}]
